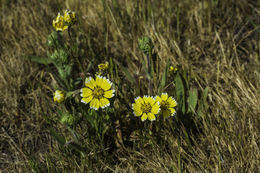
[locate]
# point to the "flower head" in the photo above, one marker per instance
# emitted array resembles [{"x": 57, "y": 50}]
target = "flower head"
[
  {"x": 103, "y": 67},
  {"x": 173, "y": 69},
  {"x": 167, "y": 105},
  {"x": 97, "y": 92},
  {"x": 146, "y": 107},
  {"x": 58, "y": 96},
  {"x": 69, "y": 17},
  {"x": 59, "y": 23}
]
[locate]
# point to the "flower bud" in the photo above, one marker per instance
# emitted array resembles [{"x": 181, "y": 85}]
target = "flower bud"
[
  {"x": 145, "y": 44},
  {"x": 58, "y": 96},
  {"x": 67, "y": 119}
]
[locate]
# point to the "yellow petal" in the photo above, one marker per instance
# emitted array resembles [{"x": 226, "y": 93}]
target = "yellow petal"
[
  {"x": 146, "y": 99},
  {"x": 172, "y": 102},
  {"x": 95, "y": 104},
  {"x": 138, "y": 112},
  {"x": 104, "y": 102},
  {"x": 85, "y": 92},
  {"x": 139, "y": 100},
  {"x": 173, "y": 111},
  {"x": 151, "y": 100},
  {"x": 109, "y": 93},
  {"x": 158, "y": 99},
  {"x": 99, "y": 80},
  {"x": 164, "y": 96},
  {"x": 106, "y": 84},
  {"x": 151, "y": 116},
  {"x": 86, "y": 99},
  {"x": 137, "y": 109},
  {"x": 155, "y": 108},
  {"x": 90, "y": 82},
  {"x": 144, "y": 117},
  {"x": 65, "y": 27}
]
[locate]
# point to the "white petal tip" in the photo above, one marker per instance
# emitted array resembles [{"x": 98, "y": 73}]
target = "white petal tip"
[{"x": 83, "y": 102}]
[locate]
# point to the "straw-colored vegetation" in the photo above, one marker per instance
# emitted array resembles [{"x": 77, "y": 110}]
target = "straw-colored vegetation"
[{"x": 215, "y": 45}]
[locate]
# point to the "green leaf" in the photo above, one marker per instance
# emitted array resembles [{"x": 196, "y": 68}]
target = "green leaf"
[
  {"x": 76, "y": 146},
  {"x": 111, "y": 66},
  {"x": 180, "y": 92},
  {"x": 40, "y": 60},
  {"x": 205, "y": 95},
  {"x": 192, "y": 100},
  {"x": 61, "y": 140}
]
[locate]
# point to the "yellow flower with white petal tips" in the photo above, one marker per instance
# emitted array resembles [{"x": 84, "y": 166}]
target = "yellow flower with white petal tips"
[
  {"x": 146, "y": 107},
  {"x": 167, "y": 105},
  {"x": 58, "y": 96},
  {"x": 97, "y": 92},
  {"x": 59, "y": 23}
]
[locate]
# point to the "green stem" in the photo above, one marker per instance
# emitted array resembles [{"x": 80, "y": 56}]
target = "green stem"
[
  {"x": 72, "y": 53},
  {"x": 149, "y": 73},
  {"x": 149, "y": 56}
]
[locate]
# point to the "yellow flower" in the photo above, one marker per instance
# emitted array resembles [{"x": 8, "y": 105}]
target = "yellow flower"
[
  {"x": 173, "y": 69},
  {"x": 97, "y": 92},
  {"x": 103, "y": 67},
  {"x": 58, "y": 96},
  {"x": 59, "y": 23},
  {"x": 69, "y": 17},
  {"x": 167, "y": 105},
  {"x": 146, "y": 107}
]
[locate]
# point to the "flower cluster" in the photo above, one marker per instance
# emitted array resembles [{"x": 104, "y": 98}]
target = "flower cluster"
[
  {"x": 63, "y": 22},
  {"x": 148, "y": 107},
  {"x": 98, "y": 92}
]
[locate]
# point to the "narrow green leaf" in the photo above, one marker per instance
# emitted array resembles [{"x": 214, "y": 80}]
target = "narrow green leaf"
[
  {"x": 205, "y": 95},
  {"x": 76, "y": 147},
  {"x": 164, "y": 77},
  {"x": 111, "y": 67},
  {"x": 180, "y": 92},
  {"x": 40, "y": 60},
  {"x": 192, "y": 100}
]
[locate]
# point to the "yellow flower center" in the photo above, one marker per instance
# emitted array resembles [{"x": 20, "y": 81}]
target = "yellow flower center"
[
  {"x": 98, "y": 93},
  {"x": 146, "y": 107}
]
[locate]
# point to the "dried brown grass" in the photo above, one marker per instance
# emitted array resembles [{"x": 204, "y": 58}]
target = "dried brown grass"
[{"x": 218, "y": 49}]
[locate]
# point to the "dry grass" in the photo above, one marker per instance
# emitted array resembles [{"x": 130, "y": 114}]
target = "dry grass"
[{"x": 216, "y": 43}]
